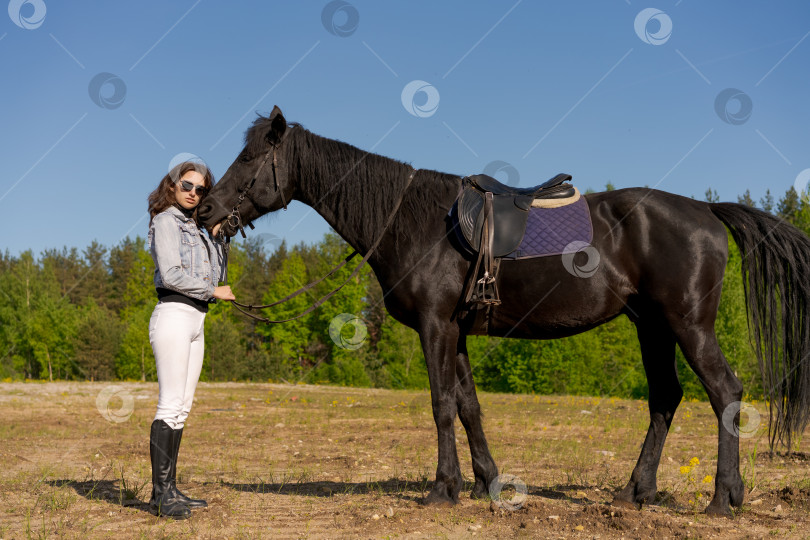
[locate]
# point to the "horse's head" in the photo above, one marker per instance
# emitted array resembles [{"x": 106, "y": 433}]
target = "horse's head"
[{"x": 256, "y": 182}]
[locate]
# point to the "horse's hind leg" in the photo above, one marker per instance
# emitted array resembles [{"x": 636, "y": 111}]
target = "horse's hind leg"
[
  {"x": 665, "y": 393},
  {"x": 700, "y": 347},
  {"x": 469, "y": 411}
]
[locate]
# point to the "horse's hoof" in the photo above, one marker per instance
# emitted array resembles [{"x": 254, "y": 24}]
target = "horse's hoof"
[
  {"x": 635, "y": 495},
  {"x": 719, "y": 510}
]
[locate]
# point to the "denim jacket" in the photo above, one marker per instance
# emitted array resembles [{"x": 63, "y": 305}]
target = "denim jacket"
[{"x": 186, "y": 260}]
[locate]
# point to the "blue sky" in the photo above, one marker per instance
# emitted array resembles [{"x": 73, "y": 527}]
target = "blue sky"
[{"x": 541, "y": 87}]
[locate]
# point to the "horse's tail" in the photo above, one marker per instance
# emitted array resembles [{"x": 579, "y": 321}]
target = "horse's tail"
[{"x": 776, "y": 280}]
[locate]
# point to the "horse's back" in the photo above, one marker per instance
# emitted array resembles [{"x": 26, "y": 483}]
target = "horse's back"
[
  {"x": 653, "y": 219},
  {"x": 644, "y": 203}
]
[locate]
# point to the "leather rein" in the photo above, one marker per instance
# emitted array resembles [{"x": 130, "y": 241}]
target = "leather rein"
[{"x": 235, "y": 221}]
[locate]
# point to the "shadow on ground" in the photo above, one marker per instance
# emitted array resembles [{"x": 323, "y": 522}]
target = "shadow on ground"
[
  {"x": 395, "y": 487},
  {"x": 109, "y": 491},
  {"x": 402, "y": 489}
]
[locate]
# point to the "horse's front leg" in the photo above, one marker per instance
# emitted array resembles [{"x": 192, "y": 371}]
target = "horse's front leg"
[
  {"x": 439, "y": 339},
  {"x": 469, "y": 411}
]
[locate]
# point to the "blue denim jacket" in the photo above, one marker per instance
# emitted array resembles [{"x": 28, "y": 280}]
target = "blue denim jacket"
[{"x": 186, "y": 260}]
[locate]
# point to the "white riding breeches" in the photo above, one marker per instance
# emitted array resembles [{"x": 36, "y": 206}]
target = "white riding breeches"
[{"x": 176, "y": 335}]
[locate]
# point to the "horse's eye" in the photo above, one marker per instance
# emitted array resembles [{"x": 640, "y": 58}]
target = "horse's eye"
[{"x": 245, "y": 158}]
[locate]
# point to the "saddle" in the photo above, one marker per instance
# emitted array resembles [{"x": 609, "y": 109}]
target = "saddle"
[{"x": 492, "y": 219}]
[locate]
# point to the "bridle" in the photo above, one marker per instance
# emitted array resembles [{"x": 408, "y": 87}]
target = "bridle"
[{"x": 235, "y": 221}]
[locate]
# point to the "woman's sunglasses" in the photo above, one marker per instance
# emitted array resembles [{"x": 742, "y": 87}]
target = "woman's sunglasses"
[{"x": 185, "y": 185}]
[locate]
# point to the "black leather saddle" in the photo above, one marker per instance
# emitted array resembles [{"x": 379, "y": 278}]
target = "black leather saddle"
[
  {"x": 542, "y": 191},
  {"x": 510, "y": 209},
  {"x": 492, "y": 218}
]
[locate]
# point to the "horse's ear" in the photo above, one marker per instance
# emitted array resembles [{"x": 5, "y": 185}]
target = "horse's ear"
[{"x": 278, "y": 125}]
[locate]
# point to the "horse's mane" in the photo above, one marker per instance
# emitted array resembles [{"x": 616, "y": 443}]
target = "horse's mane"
[{"x": 360, "y": 187}]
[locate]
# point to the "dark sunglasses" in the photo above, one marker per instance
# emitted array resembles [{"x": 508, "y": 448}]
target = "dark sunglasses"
[{"x": 185, "y": 185}]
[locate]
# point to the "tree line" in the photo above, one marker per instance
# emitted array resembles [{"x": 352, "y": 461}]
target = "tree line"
[{"x": 84, "y": 315}]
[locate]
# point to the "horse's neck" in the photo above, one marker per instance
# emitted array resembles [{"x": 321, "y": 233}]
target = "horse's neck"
[
  {"x": 355, "y": 198},
  {"x": 356, "y": 193}
]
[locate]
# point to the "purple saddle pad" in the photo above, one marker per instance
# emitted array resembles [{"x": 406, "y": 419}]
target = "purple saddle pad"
[{"x": 550, "y": 230}]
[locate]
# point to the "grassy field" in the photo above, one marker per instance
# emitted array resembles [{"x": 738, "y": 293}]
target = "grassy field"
[{"x": 294, "y": 461}]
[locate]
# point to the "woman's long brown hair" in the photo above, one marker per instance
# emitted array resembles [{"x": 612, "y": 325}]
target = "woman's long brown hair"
[{"x": 163, "y": 196}]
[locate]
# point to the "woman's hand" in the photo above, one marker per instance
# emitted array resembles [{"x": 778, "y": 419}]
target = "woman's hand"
[
  {"x": 224, "y": 293},
  {"x": 215, "y": 230}
]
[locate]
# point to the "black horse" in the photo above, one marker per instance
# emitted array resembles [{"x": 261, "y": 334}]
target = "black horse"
[{"x": 661, "y": 262}]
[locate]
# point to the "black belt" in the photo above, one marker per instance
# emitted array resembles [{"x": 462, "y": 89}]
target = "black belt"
[{"x": 168, "y": 295}]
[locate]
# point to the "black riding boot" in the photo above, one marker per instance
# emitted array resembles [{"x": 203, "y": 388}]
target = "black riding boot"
[
  {"x": 163, "y": 501},
  {"x": 177, "y": 435}
]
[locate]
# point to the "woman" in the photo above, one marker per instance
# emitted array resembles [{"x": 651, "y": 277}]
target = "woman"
[{"x": 188, "y": 266}]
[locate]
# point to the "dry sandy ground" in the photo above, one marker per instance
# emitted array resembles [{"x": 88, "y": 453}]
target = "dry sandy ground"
[{"x": 294, "y": 461}]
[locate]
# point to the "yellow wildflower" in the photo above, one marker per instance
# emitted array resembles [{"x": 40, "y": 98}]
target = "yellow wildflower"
[
  {"x": 707, "y": 479},
  {"x": 685, "y": 469},
  {"x": 694, "y": 461}
]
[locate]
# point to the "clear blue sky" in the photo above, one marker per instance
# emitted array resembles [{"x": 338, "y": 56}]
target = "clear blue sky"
[{"x": 545, "y": 87}]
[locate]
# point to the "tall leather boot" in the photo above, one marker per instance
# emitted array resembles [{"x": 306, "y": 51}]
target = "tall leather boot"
[
  {"x": 163, "y": 502},
  {"x": 177, "y": 435}
]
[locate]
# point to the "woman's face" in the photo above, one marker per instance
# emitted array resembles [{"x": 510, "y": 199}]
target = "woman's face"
[{"x": 189, "y": 199}]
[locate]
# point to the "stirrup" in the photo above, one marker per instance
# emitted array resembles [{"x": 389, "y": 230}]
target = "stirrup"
[{"x": 486, "y": 290}]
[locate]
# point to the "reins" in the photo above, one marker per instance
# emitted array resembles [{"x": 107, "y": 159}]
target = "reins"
[{"x": 245, "y": 308}]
